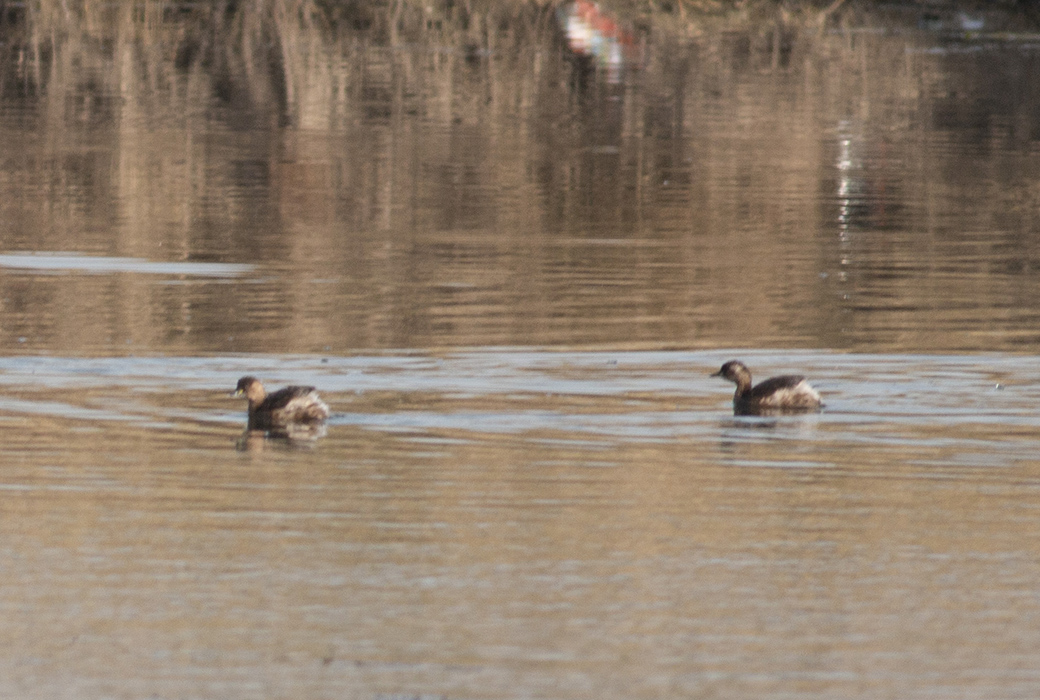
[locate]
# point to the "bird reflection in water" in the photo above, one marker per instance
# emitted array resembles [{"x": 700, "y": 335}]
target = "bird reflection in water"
[{"x": 260, "y": 440}]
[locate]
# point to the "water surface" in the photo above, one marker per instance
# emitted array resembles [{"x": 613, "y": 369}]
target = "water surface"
[
  {"x": 510, "y": 275},
  {"x": 488, "y": 523}
]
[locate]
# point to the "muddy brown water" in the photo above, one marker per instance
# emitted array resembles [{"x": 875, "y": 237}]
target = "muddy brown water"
[{"x": 511, "y": 288}]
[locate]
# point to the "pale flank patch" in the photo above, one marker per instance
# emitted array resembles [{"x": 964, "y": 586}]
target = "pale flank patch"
[{"x": 801, "y": 394}]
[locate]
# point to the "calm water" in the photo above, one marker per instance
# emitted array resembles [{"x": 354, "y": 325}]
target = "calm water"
[
  {"x": 522, "y": 523},
  {"x": 510, "y": 280}
]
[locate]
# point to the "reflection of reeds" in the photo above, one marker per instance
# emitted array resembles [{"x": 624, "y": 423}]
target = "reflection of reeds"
[
  {"x": 438, "y": 173},
  {"x": 261, "y": 51},
  {"x": 264, "y": 50},
  {"x": 251, "y": 46}
]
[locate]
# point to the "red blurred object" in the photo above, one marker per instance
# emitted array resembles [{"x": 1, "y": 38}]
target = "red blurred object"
[{"x": 594, "y": 34}]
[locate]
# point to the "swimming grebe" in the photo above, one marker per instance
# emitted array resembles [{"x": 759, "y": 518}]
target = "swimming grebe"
[
  {"x": 286, "y": 408},
  {"x": 786, "y": 394}
]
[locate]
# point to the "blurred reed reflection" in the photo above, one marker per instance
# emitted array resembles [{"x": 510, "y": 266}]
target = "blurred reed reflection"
[{"x": 408, "y": 184}]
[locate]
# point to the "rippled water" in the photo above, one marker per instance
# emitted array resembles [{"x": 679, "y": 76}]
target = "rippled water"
[
  {"x": 495, "y": 523},
  {"x": 511, "y": 278}
]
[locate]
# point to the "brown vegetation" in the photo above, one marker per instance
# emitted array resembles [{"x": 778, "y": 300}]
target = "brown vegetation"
[{"x": 428, "y": 162}]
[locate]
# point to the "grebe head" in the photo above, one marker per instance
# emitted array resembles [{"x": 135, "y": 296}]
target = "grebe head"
[
  {"x": 252, "y": 389},
  {"x": 735, "y": 371}
]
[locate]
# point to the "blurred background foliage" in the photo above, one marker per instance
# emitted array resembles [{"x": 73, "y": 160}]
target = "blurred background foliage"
[{"x": 263, "y": 44}]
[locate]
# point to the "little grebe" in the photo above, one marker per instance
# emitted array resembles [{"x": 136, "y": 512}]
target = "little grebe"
[
  {"x": 285, "y": 408},
  {"x": 786, "y": 394}
]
